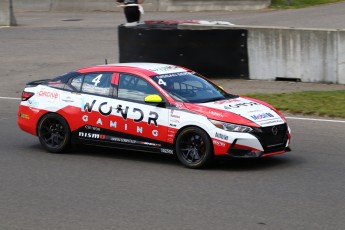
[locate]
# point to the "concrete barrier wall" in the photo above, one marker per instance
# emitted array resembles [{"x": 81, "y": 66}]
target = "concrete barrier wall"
[
  {"x": 308, "y": 55},
  {"x": 6, "y": 13},
  {"x": 149, "y": 5},
  {"x": 200, "y": 5},
  {"x": 64, "y": 5},
  {"x": 341, "y": 57}
]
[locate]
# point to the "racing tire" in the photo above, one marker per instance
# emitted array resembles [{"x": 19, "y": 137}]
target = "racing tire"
[
  {"x": 193, "y": 148},
  {"x": 54, "y": 133}
]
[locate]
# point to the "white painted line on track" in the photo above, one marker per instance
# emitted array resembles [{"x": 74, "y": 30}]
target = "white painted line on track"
[
  {"x": 10, "y": 98},
  {"x": 5, "y": 118},
  {"x": 315, "y": 119}
]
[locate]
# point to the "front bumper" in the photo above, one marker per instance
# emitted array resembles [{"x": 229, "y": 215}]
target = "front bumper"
[
  {"x": 273, "y": 139},
  {"x": 247, "y": 153}
]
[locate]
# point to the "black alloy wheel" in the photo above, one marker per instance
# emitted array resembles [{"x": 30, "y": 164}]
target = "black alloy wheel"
[
  {"x": 193, "y": 147},
  {"x": 54, "y": 133}
]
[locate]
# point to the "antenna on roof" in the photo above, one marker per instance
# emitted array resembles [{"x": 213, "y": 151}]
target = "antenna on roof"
[{"x": 106, "y": 61}]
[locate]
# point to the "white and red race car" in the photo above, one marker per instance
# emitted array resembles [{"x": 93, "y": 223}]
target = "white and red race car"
[{"x": 150, "y": 107}]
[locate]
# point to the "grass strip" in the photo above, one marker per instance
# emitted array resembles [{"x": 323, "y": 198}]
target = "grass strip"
[
  {"x": 294, "y": 4},
  {"x": 319, "y": 103}
]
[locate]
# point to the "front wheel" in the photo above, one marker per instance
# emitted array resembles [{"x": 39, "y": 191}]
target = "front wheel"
[
  {"x": 54, "y": 133},
  {"x": 193, "y": 147}
]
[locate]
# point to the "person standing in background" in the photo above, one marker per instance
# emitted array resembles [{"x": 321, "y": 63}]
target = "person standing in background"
[{"x": 132, "y": 9}]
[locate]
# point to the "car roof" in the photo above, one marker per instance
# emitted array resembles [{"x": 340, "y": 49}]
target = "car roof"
[{"x": 146, "y": 68}]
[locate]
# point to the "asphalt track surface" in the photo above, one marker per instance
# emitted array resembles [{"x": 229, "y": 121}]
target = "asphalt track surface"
[{"x": 97, "y": 188}]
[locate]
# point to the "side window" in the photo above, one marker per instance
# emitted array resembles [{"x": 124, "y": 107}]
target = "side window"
[
  {"x": 97, "y": 83},
  {"x": 134, "y": 88},
  {"x": 77, "y": 82}
]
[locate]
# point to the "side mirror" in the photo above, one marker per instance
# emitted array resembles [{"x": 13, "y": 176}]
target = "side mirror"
[{"x": 153, "y": 98}]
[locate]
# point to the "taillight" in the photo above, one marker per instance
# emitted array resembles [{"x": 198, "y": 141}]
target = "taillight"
[{"x": 26, "y": 95}]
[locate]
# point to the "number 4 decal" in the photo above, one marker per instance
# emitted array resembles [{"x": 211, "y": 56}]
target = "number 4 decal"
[
  {"x": 97, "y": 79},
  {"x": 162, "y": 82}
]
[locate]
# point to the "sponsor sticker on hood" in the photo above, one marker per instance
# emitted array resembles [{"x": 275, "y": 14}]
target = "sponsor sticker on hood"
[{"x": 251, "y": 110}]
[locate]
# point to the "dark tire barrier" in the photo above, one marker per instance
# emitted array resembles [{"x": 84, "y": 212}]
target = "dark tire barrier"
[{"x": 213, "y": 53}]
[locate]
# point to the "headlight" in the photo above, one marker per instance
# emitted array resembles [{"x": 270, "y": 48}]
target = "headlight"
[{"x": 231, "y": 127}]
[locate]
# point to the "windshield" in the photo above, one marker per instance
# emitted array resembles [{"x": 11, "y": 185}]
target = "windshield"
[{"x": 189, "y": 87}]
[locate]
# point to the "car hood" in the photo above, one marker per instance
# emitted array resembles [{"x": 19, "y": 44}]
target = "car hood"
[{"x": 240, "y": 111}]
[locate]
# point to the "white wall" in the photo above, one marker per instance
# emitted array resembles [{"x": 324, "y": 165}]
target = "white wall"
[
  {"x": 201, "y": 5},
  {"x": 305, "y": 54},
  {"x": 150, "y": 5},
  {"x": 341, "y": 56},
  {"x": 6, "y": 13}
]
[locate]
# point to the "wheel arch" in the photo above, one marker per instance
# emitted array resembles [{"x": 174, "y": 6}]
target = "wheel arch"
[
  {"x": 188, "y": 126},
  {"x": 46, "y": 114},
  {"x": 56, "y": 137}
]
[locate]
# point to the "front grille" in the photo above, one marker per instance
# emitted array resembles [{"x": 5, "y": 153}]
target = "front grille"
[{"x": 272, "y": 138}]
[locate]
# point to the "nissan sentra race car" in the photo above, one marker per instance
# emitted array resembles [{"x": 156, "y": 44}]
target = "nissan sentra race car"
[{"x": 150, "y": 107}]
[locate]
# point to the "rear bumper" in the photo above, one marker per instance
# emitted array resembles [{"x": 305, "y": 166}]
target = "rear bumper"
[{"x": 27, "y": 119}]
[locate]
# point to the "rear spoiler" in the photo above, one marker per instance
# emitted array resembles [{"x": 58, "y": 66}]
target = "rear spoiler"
[{"x": 37, "y": 82}]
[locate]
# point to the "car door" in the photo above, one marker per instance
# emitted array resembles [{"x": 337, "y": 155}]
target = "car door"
[{"x": 140, "y": 124}]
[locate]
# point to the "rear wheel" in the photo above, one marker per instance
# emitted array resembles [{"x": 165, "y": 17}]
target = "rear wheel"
[
  {"x": 193, "y": 147},
  {"x": 53, "y": 133}
]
